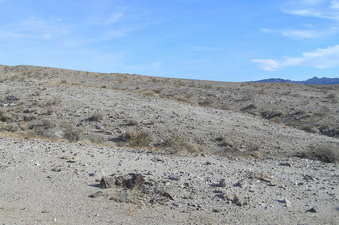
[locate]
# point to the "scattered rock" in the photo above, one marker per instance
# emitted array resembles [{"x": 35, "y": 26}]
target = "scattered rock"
[
  {"x": 222, "y": 183},
  {"x": 236, "y": 199},
  {"x": 107, "y": 182},
  {"x": 130, "y": 181},
  {"x": 312, "y": 210},
  {"x": 56, "y": 169},
  {"x": 285, "y": 164},
  {"x": 216, "y": 210},
  {"x": 174, "y": 177},
  {"x": 96, "y": 194},
  {"x": 309, "y": 178},
  {"x": 286, "y": 201}
]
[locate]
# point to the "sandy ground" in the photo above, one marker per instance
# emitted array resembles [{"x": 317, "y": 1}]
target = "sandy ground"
[{"x": 50, "y": 183}]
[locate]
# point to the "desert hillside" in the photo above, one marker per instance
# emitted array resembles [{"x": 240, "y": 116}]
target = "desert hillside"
[
  {"x": 168, "y": 115},
  {"x": 76, "y": 145}
]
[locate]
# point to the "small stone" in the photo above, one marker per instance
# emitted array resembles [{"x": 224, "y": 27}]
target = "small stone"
[
  {"x": 216, "y": 210},
  {"x": 222, "y": 183},
  {"x": 312, "y": 210},
  {"x": 56, "y": 170},
  {"x": 97, "y": 194},
  {"x": 285, "y": 164},
  {"x": 174, "y": 177},
  {"x": 287, "y": 202},
  {"x": 107, "y": 182},
  {"x": 309, "y": 178}
]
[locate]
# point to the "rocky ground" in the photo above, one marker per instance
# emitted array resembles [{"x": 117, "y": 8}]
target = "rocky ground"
[
  {"x": 80, "y": 147},
  {"x": 59, "y": 183}
]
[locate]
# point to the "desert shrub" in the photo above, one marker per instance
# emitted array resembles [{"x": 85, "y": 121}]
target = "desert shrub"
[
  {"x": 72, "y": 134},
  {"x": 269, "y": 114},
  {"x": 249, "y": 107},
  {"x": 310, "y": 128},
  {"x": 136, "y": 138},
  {"x": 11, "y": 127},
  {"x": 180, "y": 83},
  {"x": 175, "y": 145},
  {"x": 132, "y": 123},
  {"x": 5, "y": 116},
  {"x": 158, "y": 90},
  {"x": 331, "y": 95},
  {"x": 323, "y": 152},
  {"x": 41, "y": 127},
  {"x": 205, "y": 102},
  {"x": 96, "y": 117},
  {"x": 54, "y": 101}
]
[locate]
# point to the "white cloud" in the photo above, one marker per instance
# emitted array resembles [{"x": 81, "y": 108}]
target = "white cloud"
[
  {"x": 320, "y": 58},
  {"x": 297, "y": 34},
  {"x": 267, "y": 64},
  {"x": 323, "y": 9}
]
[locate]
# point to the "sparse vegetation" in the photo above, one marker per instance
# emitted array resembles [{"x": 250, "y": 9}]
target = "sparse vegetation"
[
  {"x": 136, "y": 138},
  {"x": 71, "y": 134},
  {"x": 96, "y": 117},
  {"x": 323, "y": 152},
  {"x": 309, "y": 108}
]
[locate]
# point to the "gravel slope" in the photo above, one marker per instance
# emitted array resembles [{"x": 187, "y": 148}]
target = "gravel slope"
[
  {"x": 49, "y": 183},
  {"x": 176, "y": 151}
]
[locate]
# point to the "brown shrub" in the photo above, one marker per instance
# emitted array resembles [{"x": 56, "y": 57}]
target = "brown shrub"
[
  {"x": 324, "y": 152},
  {"x": 136, "y": 138}
]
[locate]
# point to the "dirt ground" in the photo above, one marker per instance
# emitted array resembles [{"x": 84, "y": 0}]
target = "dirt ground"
[{"x": 203, "y": 152}]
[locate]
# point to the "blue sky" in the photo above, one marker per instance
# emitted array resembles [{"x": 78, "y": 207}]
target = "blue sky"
[{"x": 225, "y": 40}]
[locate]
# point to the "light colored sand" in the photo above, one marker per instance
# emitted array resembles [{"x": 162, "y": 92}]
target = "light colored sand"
[{"x": 32, "y": 193}]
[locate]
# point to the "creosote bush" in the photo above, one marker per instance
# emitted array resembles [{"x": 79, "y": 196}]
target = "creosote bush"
[
  {"x": 71, "y": 134},
  {"x": 176, "y": 145},
  {"x": 135, "y": 138},
  {"x": 95, "y": 117},
  {"x": 324, "y": 152}
]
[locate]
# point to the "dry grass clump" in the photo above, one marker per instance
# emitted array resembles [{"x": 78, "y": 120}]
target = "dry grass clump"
[
  {"x": 4, "y": 115},
  {"x": 206, "y": 102},
  {"x": 135, "y": 138},
  {"x": 96, "y": 117},
  {"x": 72, "y": 134},
  {"x": 176, "y": 145},
  {"x": 133, "y": 123},
  {"x": 331, "y": 95},
  {"x": 323, "y": 152},
  {"x": 270, "y": 114}
]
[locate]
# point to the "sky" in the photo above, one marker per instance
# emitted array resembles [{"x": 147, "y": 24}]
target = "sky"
[{"x": 223, "y": 40}]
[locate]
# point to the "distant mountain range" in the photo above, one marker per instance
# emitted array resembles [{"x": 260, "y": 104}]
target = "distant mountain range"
[{"x": 314, "y": 80}]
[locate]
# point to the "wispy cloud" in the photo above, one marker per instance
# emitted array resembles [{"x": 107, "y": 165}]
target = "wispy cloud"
[
  {"x": 323, "y": 9},
  {"x": 33, "y": 28},
  {"x": 297, "y": 34},
  {"x": 326, "y": 11},
  {"x": 320, "y": 58}
]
